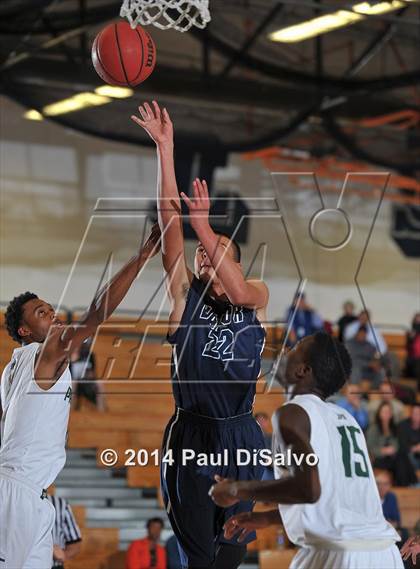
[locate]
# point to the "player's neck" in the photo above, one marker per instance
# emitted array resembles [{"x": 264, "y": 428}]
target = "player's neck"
[
  {"x": 305, "y": 390},
  {"x": 216, "y": 291}
]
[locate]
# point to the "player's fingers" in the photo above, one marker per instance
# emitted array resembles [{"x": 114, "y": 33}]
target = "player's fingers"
[
  {"x": 231, "y": 532},
  {"x": 231, "y": 523},
  {"x": 201, "y": 189},
  {"x": 197, "y": 184},
  {"x": 232, "y": 526},
  {"x": 220, "y": 479},
  {"x": 138, "y": 121},
  {"x": 195, "y": 190},
  {"x": 156, "y": 109},
  {"x": 243, "y": 535},
  {"x": 189, "y": 204},
  {"x": 205, "y": 189},
  {"x": 166, "y": 116},
  {"x": 149, "y": 110},
  {"x": 143, "y": 113}
]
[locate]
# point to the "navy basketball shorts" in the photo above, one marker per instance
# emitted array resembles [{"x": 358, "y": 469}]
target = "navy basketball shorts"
[{"x": 195, "y": 519}]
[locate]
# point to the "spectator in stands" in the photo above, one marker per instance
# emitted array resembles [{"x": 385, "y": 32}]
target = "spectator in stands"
[
  {"x": 355, "y": 405},
  {"x": 83, "y": 372},
  {"x": 347, "y": 318},
  {"x": 365, "y": 358},
  {"x": 409, "y": 435},
  {"x": 374, "y": 337},
  {"x": 372, "y": 332},
  {"x": 147, "y": 553},
  {"x": 66, "y": 533},
  {"x": 384, "y": 447},
  {"x": 389, "y": 501},
  {"x": 302, "y": 319},
  {"x": 172, "y": 553},
  {"x": 412, "y": 365},
  {"x": 386, "y": 395}
]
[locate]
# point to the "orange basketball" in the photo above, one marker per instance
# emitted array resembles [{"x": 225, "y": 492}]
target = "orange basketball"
[{"x": 123, "y": 56}]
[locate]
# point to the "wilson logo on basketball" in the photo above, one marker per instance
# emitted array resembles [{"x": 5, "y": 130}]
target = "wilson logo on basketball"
[
  {"x": 150, "y": 52},
  {"x": 122, "y": 55}
]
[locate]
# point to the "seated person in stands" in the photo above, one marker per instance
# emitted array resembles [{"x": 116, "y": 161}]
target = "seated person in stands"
[
  {"x": 347, "y": 318},
  {"x": 355, "y": 405},
  {"x": 374, "y": 337},
  {"x": 389, "y": 501},
  {"x": 385, "y": 450},
  {"x": 409, "y": 435},
  {"x": 147, "y": 553},
  {"x": 366, "y": 360},
  {"x": 303, "y": 319},
  {"x": 83, "y": 373},
  {"x": 412, "y": 364},
  {"x": 386, "y": 396}
]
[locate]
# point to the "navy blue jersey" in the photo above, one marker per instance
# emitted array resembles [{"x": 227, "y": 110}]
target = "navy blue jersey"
[{"x": 216, "y": 356}]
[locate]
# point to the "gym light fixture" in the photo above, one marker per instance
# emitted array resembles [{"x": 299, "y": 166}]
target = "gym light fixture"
[{"x": 339, "y": 19}]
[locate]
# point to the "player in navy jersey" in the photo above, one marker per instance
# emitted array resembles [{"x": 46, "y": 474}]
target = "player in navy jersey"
[{"x": 217, "y": 336}]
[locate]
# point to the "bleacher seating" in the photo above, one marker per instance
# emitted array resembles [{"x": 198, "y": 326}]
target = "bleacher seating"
[{"x": 139, "y": 404}]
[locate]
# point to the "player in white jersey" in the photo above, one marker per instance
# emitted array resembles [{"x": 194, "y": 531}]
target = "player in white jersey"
[
  {"x": 35, "y": 397},
  {"x": 331, "y": 509}
]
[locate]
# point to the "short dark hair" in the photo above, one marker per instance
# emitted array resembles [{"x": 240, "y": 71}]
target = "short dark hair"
[
  {"x": 362, "y": 329},
  {"x": 14, "y": 313},
  {"x": 330, "y": 362},
  {"x": 236, "y": 246},
  {"x": 154, "y": 521}
]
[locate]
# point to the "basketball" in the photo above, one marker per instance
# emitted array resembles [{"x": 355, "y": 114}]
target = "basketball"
[{"x": 122, "y": 55}]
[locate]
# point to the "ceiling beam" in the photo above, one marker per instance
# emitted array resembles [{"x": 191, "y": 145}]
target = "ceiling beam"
[{"x": 190, "y": 87}]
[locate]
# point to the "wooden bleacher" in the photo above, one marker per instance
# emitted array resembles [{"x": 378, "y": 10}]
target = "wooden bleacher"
[
  {"x": 136, "y": 379},
  {"x": 276, "y": 559}
]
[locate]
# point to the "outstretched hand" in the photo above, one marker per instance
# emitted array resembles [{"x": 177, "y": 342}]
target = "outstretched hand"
[
  {"x": 244, "y": 524},
  {"x": 411, "y": 548},
  {"x": 156, "y": 122},
  {"x": 224, "y": 493},
  {"x": 199, "y": 205}
]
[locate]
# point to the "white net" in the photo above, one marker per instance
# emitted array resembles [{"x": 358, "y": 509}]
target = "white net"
[{"x": 164, "y": 14}]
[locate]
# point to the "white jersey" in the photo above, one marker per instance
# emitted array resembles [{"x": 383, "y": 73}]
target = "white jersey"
[
  {"x": 34, "y": 422},
  {"x": 349, "y": 509}
]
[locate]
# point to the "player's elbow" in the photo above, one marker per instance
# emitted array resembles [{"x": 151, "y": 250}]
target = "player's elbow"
[
  {"x": 312, "y": 493},
  {"x": 239, "y": 296}
]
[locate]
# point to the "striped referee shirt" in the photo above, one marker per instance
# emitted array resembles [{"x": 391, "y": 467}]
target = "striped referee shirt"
[{"x": 65, "y": 529}]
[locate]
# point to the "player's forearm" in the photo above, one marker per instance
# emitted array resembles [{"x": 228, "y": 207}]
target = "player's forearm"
[
  {"x": 273, "y": 517},
  {"x": 291, "y": 490},
  {"x": 168, "y": 196},
  {"x": 113, "y": 293},
  {"x": 228, "y": 272}
]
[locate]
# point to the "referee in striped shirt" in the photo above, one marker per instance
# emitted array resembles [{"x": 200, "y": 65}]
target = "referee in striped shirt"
[{"x": 66, "y": 533}]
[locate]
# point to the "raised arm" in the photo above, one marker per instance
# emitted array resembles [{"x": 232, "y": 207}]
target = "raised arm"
[
  {"x": 62, "y": 342},
  {"x": 158, "y": 125},
  {"x": 301, "y": 487},
  {"x": 251, "y": 294}
]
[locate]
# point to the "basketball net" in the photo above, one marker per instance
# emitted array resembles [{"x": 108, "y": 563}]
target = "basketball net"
[{"x": 164, "y": 14}]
